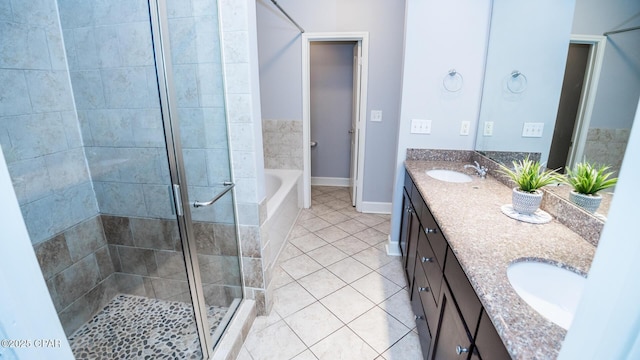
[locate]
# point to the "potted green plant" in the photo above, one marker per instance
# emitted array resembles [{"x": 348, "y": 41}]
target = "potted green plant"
[
  {"x": 587, "y": 180},
  {"x": 529, "y": 176}
]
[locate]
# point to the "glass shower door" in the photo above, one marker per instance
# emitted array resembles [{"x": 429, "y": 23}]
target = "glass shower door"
[
  {"x": 193, "y": 70},
  {"x": 112, "y": 245}
]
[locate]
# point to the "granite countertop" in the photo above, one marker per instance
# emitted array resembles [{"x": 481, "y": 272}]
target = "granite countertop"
[{"x": 486, "y": 242}]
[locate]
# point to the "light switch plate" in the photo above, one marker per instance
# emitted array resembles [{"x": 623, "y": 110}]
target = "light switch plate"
[
  {"x": 488, "y": 128},
  {"x": 420, "y": 126},
  {"x": 376, "y": 115},
  {"x": 532, "y": 130}
]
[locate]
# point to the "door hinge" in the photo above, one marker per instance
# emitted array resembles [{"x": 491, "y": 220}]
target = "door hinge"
[{"x": 177, "y": 199}]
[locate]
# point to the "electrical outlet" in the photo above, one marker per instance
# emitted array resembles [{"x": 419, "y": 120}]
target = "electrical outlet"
[
  {"x": 376, "y": 115},
  {"x": 420, "y": 126},
  {"x": 532, "y": 130},
  {"x": 488, "y": 128},
  {"x": 464, "y": 127}
]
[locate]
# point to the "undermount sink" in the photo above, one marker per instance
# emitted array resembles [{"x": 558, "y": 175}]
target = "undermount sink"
[
  {"x": 449, "y": 176},
  {"x": 552, "y": 291}
]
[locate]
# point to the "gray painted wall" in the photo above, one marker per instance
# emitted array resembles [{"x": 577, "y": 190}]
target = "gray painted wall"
[
  {"x": 438, "y": 37},
  {"x": 619, "y": 85},
  {"x": 331, "y": 106},
  {"x": 279, "y": 45}
]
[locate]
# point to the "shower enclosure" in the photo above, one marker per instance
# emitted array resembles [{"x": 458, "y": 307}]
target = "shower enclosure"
[{"x": 112, "y": 122}]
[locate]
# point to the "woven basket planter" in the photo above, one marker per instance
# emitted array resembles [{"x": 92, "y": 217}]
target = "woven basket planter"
[
  {"x": 590, "y": 203},
  {"x": 525, "y": 202}
]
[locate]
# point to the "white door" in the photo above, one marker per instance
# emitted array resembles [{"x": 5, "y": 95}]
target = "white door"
[{"x": 355, "y": 116}]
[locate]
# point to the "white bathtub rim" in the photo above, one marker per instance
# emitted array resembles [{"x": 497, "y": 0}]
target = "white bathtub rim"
[{"x": 289, "y": 179}]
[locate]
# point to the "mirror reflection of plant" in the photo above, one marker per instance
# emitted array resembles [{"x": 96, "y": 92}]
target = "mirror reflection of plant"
[
  {"x": 588, "y": 179},
  {"x": 530, "y": 175}
]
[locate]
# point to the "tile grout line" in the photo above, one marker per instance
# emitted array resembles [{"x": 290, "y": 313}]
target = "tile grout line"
[{"x": 307, "y": 217}]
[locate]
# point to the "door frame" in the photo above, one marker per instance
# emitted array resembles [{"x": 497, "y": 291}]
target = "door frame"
[
  {"x": 588, "y": 96},
  {"x": 362, "y": 39}
]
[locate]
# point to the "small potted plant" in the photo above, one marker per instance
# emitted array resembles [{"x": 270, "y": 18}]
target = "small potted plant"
[
  {"x": 530, "y": 176},
  {"x": 587, "y": 179}
]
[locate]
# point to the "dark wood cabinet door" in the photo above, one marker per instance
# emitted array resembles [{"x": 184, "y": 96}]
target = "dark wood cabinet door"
[
  {"x": 404, "y": 226},
  {"x": 488, "y": 342},
  {"x": 466, "y": 298},
  {"x": 452, "y": 341},
  {"x": 421, "y": 323},
  {"x": 412, "y": 247}
]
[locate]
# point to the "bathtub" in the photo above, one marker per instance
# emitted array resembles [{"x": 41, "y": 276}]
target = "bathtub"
[
  {"x": 278, "y": 185},
  {"x": 283, "y": 190}
]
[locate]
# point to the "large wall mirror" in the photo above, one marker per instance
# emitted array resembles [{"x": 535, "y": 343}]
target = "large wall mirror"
[{"x": 562, "y": 79}]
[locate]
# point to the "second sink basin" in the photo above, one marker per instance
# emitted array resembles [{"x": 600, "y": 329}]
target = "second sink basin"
[
  {"x": 552, "y": 291},
  {"x": 449, "y": 176}
]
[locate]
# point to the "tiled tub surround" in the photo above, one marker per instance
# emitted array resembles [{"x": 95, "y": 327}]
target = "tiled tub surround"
[
  {"x": 282, "y": 142},
  {"x": 606, "y": 146},
  {"x": 283, "y": 208},
  {"x": 485, "y": 242}
]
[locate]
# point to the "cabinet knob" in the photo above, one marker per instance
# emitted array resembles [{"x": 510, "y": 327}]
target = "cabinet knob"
[
  {"x": 423, "y": 289},
  {"x": 431, "y": 231},
  {"x": 419, "y": 317},
  {"x": 461, "y": 350},
  {"x": 426, "y": 259}
]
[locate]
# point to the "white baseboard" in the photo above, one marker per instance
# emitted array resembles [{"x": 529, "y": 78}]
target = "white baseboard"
[
  {"x": 376, "y": 207},
  {"x": 393, "y": 248},
  {"x": 329, "y": 181}
]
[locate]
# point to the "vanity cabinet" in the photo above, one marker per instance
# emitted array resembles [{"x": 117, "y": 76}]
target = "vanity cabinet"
[
  {"x": 453, "y": 340},
  {"x": 488, "y": 343},
  {"x": 450, "y": 319}
]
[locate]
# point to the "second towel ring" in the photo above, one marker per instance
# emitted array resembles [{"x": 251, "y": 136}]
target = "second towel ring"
[
  {"x": 516, "y": 82},
  {"x": 452, "y": 81}
]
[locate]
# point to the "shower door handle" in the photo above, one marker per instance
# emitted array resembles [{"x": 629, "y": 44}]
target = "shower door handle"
[{"x": 228, "y": 186}]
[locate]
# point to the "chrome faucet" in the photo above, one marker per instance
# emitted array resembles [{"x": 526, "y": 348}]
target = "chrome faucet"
[{"x": 480, "y": 170}]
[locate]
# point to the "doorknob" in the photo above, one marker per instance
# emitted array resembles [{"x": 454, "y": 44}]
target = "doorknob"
[
  {"x": 313, "y": 144},
  {"x": 350, "y": 131}
]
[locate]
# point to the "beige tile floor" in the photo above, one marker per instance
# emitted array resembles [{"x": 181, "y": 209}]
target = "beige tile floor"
[{"x": 338, "y": 295}]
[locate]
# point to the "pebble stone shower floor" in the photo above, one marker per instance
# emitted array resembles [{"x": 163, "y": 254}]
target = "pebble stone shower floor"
[{"x": 135, "y": 327}]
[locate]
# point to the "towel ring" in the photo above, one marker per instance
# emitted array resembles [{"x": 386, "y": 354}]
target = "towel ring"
[
  {"x": 452, "y": 81},
  {"x": 516, "y": 82}
]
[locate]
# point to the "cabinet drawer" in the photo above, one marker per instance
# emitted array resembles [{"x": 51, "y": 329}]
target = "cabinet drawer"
[
  {"x": 488, "y": 342},
  {"x": 436, "y": 239},
  {"x": 462, "y": 291},
  {"x": 421, "y": 286},
  {"x": 430, "y": 266},
  {"x": 421, "y": 323}
]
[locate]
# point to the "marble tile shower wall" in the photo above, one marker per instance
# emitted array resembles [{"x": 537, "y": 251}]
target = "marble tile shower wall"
[
  {"x": 79, "y": 272},
  {"x": 39, "y": 131},
  {"x": 111, "y": 64},
  {"x": 147, "y": 259},
  {"x": 282, "y": 144},
  {"x": 244, "y": 125}
]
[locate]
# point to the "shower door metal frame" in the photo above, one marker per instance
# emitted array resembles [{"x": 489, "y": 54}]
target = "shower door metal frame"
[{"x": 168, "y": 103}]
